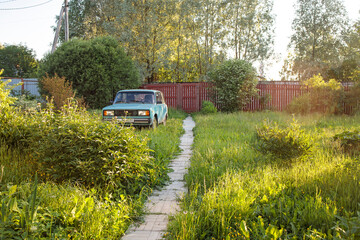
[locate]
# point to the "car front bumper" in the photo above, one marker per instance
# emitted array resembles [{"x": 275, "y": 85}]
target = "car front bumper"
[{"x": 136, "y": 121}]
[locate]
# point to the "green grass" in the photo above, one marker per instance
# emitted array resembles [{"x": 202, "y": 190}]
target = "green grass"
[
  {"x": 235, "y": 192},
  {"x": 45, "y": 210}
]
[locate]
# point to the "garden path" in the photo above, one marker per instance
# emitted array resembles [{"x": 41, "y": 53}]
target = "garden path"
[{"x": 164, "y": 203}]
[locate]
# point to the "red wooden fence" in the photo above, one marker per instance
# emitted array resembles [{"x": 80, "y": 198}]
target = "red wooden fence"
[{"x": 189, "y": 96}]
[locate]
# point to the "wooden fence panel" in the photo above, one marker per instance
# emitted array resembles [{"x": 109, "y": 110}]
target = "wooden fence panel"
[{"x": 275, "y": 95}]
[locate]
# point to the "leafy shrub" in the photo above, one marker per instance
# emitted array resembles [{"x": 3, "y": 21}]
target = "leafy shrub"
[
  {"x": 18, "y": 61},
  {"x": 71, "y": 146},
  {"x": 208, "y": 108},
  {"x": 96, "y": 68},
  {"x": 350, "y": 141},
  {"x": 5, "y": 90},
  {"x": 322, "y": 97},
  {"x": 352, "y": 99},
  {"x": 59, "y": 89},
  {"x": 235, "y": 83},
  {"x": 49, "y": 211},
  {"x": 283, "y": 143}
]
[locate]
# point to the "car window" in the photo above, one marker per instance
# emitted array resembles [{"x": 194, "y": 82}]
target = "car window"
[
  {"x": 159, "y": 98},
  {"x": 162, "y": 97},
  {"x": 134, "y": 97}
]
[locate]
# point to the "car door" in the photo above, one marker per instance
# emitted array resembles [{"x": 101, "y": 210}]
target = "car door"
[{"x": 160, "y": 106}]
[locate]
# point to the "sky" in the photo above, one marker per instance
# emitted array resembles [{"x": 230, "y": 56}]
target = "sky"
[{"x": 33, "y": 26}]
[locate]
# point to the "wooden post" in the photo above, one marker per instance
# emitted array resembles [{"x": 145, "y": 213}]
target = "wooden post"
[
  {"x": 179, "y": 96},
  {"x": 197, "y": 99}
]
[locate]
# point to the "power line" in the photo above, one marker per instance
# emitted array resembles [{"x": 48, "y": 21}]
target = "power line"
[
  {"x": 7, "y": 1},
  {"x": 21, "y": 8}
]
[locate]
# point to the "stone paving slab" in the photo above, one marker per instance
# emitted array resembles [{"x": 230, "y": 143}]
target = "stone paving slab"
[
  {"x": 164, "y": 202},
  {"x": 163, "y": 207},
  {"x": 144, "y": 235},
  {"x": 153, "y": 223},
  {"x": 186, "y": 150},
  {"x": 176, "y": 176}
]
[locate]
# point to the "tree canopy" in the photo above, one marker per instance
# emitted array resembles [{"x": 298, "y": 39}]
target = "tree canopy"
[
  {"x": 18, "y": 61},
  {"x": 96, "y": 68},
  {"x": 179, "y": 40},
  {"x": 318, "y": 39}
]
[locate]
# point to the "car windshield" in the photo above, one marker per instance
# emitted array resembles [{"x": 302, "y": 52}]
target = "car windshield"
[{"x": 135, "y": 97}]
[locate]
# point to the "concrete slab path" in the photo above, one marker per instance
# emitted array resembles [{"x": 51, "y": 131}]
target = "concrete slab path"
[{"x": 163, "y": 203}]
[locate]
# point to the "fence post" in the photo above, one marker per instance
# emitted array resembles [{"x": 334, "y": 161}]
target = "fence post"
[
  {"x": 197, "y": 101},
  {"x": 22, "y": 85},
  {"x": 179, "y": 96}
]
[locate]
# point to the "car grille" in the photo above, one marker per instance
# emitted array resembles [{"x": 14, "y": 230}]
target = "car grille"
[{"x": 122, "y": 113}]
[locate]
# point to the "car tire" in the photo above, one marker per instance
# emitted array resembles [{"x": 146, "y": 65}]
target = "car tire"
[
  {"x": 164, "y": 122},
  {"x": 155, "y": 123}
]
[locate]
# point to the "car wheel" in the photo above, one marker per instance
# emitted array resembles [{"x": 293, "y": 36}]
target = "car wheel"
[
  {"x": 164, "y": 122},
  {"x": 155, "y": 123}
]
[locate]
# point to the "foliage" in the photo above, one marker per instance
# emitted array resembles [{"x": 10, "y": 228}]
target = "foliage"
[
  {"x": 318, "y": 38},
  {"x": 18, "y": 61},
  {"x": 234, "y": 83},
  {"x": 176, "y": 113},
  {"x": 322, "y": 97},
  {"x": 86, "y": 20},
  {"x": 5, "y": 90},
  {"x": 178, "y": 41},
  {"x": 284, "y": 143},
  {"x": 96, "y": 69},
  {"x": 352, "y": 98},
  {"x": 49, "y": 211},
  {"x": 350, "y": 141},
  {"x": 236, "y": 193},
  {"x": 59, "y": 90},
  {"x": 251, "y": 29},
  {"x": 59, "y": 145},
  {"x": 208, "y": 108}
]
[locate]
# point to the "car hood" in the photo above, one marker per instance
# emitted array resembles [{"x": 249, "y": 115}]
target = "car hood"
[{"x": 129, "y": 106}]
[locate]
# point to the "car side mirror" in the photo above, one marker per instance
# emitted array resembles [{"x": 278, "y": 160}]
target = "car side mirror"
[{"x": 111, "y": 102}]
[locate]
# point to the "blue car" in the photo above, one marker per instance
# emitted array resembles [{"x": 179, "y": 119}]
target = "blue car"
[{"x": 137, "y": 107}]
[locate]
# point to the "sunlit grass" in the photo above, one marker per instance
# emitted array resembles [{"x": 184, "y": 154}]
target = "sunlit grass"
[
  {"x": 237, "y": 193},
  {"x": 70, "y": 211}
]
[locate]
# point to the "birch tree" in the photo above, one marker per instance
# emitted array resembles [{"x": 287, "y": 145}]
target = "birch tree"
[
  {"x": 318, "y": 40},
  {"x": 251, "y": 29}
]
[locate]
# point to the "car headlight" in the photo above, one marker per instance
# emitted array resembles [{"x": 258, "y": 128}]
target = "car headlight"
[
  {"x": 108, "y": 113},
  {"x": 144, "y": 113}
]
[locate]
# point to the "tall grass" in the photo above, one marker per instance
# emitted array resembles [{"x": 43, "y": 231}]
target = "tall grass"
[
  {"x": 71, "y": 211},
  {"x": 235, "y": 192}
]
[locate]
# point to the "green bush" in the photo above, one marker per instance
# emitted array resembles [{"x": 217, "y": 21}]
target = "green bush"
[
  {"x": 322, "y": 97},
  {"x": 96, "y": 68},
  {"x": 50, "y": 211},
  {"x": 208, "y": 108},
  {"x": 234, "y": 84},
  {"x": 71, "y": 146},
  {"x": 18, "y": 61},
  {"x": 284, "y": 143},
  {"x": 350, "y": 141}
]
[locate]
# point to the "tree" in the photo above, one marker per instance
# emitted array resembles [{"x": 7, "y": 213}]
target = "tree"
[
  {"x": 251, "y": 29},
  {"x": 318, "y": 39},
  {"x": 18, "y": 61},
  {"x": 96, "y": 68},
  {"x": 179, "y": 40},
  {"x": 234, "y": 84},
  {"x": 86, "y": 19}
]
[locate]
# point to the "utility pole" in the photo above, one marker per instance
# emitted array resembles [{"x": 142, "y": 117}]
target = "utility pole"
[
  {"x": 66, "y": 21},
  {"x": 56, "y": 38}
]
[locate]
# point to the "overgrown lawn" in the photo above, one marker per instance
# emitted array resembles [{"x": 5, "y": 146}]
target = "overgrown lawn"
[
  {"x": 238, "y": 192},
  {"x": 68, "y": 175}
]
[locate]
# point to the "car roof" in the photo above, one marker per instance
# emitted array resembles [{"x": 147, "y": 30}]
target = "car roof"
[{"x": 139, "y": 90}]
